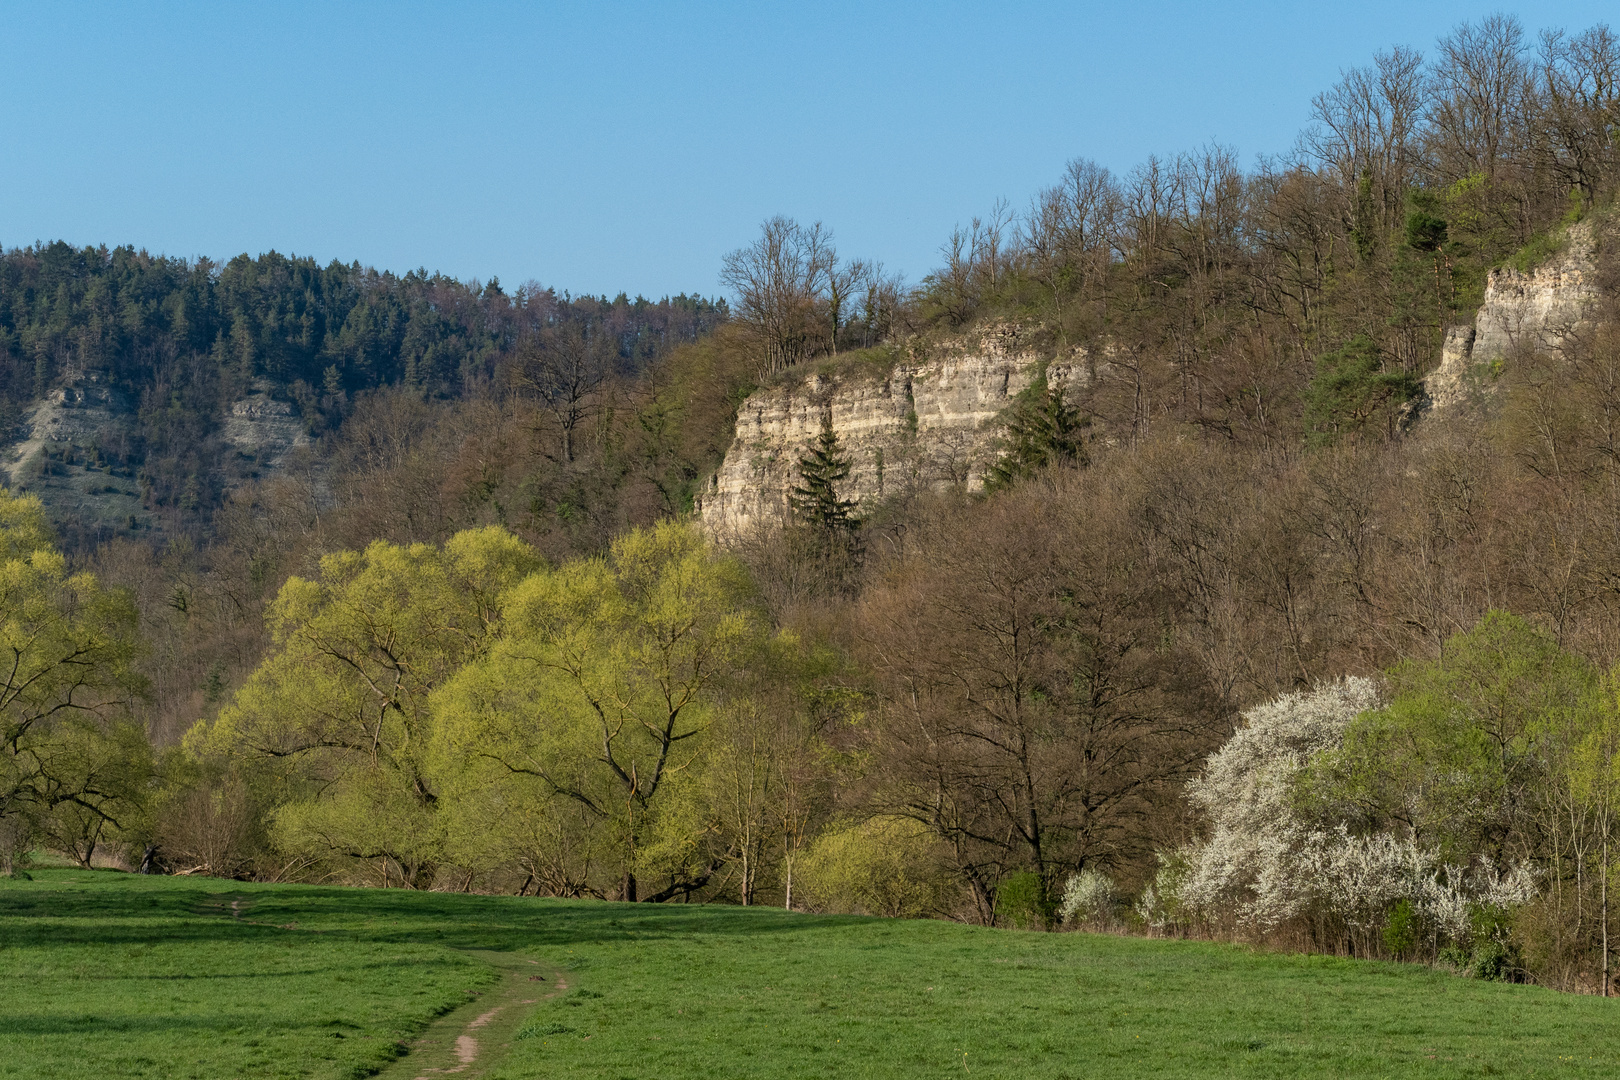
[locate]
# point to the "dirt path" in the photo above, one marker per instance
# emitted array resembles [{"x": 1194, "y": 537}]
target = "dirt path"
[{"x": 467, "y": 1041}]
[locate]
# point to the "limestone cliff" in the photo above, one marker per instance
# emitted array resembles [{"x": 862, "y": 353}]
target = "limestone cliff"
[
  {"x": 264, "y": 429},
  {"x": 932, "y": 416},
  {"x": 78, "y": 449},
  {"x": 927, "y": 418},
  {"x": 1534, "y": 310}
]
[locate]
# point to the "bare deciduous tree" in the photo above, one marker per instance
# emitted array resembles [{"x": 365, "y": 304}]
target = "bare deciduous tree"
[
  {"x": 1068, "y": 233},
  {"x": 1367, "y": 129},
  {"x": 1480, "y": 83},
  {"x": 844, "y": 283},
  {"x": 779, "y": 281},
  {"x": 565, "y": 365},
  {"x": 1033, "y": 713},
  {"x": 977, "y": 259},
  {"x": 1578, "y": 83}
]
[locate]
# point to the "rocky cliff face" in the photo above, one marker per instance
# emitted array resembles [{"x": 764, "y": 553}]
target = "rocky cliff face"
[
  {"x": 264, "y": 429},
  {"x": 1535, "y": 310},
  {"x": 59, "y": 457},
  {"x": 929, "y": 419},
  {"x": 935, "y": 415},
  {"x": 74, "y": 451}
]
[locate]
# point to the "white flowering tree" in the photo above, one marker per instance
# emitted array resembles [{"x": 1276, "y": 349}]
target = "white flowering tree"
[
  {"x": 1274, "y": 854},
  {"x": 1256, "y": 864}
]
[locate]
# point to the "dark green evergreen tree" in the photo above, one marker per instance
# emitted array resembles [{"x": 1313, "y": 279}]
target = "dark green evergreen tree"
[
  {"x": 816, "y": 501},
  {"x": 1355, "y": 392},
  {"x": 1043, "y": 429}
]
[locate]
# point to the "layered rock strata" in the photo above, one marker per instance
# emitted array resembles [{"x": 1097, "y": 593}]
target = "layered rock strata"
[
  {"x": 264, "y": 428},
  {"x": 1537, "y": 310},
  {"x": 931, "y": 419}
]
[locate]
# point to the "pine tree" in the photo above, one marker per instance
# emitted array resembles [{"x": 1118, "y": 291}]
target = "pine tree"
[{"x": 816, "y": 501}]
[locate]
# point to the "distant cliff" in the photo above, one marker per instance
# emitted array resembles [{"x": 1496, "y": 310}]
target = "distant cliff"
[
  {"x": 80, "y": 451},
  {"x": 923, "y": 415},
  {"x": 1534, "y": 310}
]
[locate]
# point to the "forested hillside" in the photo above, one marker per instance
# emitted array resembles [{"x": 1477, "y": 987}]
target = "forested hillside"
[
  {"x": 1236, "y": 631},
  {"x": 170, "y": 345}
]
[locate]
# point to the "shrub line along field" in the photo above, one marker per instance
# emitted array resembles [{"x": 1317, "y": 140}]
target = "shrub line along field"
[{"x": 115, "y": 975}]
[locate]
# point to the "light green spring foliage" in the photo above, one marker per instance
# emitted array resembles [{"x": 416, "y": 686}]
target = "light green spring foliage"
[
  {"x": 1468, "y": 740},
  {"x": 466, "y": 707},
  {"x": 1591, "y": 754},
  {"x": 881, "y": 866},
  {"x": 70, "y": 758},
  {"x": 594, "y": 703},
  {"x": 342, "y": 700},
  {"x": 23, "y": 530}
]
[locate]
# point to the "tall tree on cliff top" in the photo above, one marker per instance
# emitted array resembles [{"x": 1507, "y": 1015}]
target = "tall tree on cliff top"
[{"x": 779, "y": 281}]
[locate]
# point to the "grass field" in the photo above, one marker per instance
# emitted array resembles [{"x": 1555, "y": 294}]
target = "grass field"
[{"x": 108, "y": 975}]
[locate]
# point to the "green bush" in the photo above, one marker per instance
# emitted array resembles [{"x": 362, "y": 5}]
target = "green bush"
[
  {"x": 1491, "y": 960},
  {"x": 1402, "y": 929},
  {"x": 1023, "y": 901},
  {"x": 881, "y": 866}
]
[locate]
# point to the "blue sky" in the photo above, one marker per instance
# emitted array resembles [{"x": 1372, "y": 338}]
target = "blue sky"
[{"x": 608, "y": 147}]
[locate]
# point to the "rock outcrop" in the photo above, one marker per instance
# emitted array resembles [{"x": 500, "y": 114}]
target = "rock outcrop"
[
  {"x": 79, "y": 450},
  {"x": 80, "y": 411},
  {"x": 263, "y": 428},
  {"x": 1522, "y": 310},
  {"x": 929, "y": 418},
  {"x": 934, "y": 416}
]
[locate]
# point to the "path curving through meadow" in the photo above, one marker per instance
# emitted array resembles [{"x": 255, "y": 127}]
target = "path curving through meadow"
[{"x": 466, "y": 1041}]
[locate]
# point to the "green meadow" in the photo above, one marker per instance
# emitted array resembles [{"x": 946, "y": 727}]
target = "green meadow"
[{"x": 108, "y": 975}]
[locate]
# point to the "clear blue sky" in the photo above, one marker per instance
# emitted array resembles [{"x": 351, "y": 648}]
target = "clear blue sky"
[{"x": 600, "y": 147}]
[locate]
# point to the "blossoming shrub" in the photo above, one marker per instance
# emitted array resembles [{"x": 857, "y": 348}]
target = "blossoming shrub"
[
  {"x": 1256, "y": 869},
  {"x": 1291, "y": 859},
  {"x": 1089, "y": 899}
]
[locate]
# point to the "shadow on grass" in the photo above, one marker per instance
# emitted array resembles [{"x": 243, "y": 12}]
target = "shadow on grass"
[
  {"x": 348, "y": 966},
  {"x": 118, "y": 909},
  {"x": 24, "y": 1024}
]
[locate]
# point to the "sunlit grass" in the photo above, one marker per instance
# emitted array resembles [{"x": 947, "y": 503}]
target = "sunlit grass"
[{"x": 106, "y": 975}]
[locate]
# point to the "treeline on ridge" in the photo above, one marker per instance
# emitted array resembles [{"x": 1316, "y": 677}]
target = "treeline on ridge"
[{"x": 182, "y": 339}]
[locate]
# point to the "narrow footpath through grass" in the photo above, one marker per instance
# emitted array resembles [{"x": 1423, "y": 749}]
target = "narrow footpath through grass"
[{"x": 108, "y": 975}]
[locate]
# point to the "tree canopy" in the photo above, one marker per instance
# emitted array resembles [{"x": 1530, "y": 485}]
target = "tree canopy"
[{"x": 70, "y": 758}]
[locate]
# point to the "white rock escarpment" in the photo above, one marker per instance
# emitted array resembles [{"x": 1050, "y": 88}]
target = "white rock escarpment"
[
  {"x": 930, "y": 420},
  {"x": 81, "y": 410},
  {"x": 1537, "y": 310}
]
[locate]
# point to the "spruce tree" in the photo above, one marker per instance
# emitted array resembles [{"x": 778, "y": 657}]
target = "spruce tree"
[
  {"x": 816, "y": 501},
  {"x": 1042, "y": 430}
]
